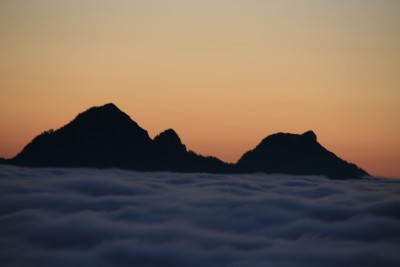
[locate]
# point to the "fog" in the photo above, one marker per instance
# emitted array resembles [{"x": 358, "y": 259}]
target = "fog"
[{"x": 88, "y": 217}]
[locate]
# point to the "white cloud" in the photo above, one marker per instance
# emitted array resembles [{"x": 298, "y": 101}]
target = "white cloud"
[{"x": 85, "y": 217}]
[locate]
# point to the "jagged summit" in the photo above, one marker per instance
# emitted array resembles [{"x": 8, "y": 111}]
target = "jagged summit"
[
  {"x": 169, "y": 141},
  {"x": 168, "y": 135},
  {"x": 171, "y": 155},
  {"x": 310, "y": 135},
  {"x": 109, "y": 106}
]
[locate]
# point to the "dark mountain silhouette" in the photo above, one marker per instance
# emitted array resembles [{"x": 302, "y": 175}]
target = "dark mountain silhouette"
[
  {"x": 297, "y": 154},
  {"x": 169, "y": 146},
  {"x": 99, "y": 137},
  {"x": 172, "y": 155},
  {"x": 105, "y": 137}
]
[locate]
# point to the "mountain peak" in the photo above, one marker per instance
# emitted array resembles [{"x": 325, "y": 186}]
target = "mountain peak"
[
  {"x": 109, "y": 106},
  {"x": 170, "y": 133},
  {"x": 310, "y": 135},
  {"x": 104, "y": 136},
  {"x": 289, "y": 138},
  {"x": 296, "y": 154},
  {"x": 108, "y": 115},
  {"x": 169, "y": 140},
  {"x": 101, "y": 136}
]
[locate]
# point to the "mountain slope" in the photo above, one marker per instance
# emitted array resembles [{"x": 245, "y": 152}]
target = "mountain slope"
[
  {"x": 297, "y": 154},
  {"x": 172, "y": 155},
  {"x": 105, "y": 137},
  {"x": 99, "y": 137}
]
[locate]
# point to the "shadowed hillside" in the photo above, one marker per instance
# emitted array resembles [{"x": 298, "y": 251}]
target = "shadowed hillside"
[
  {"x": 99, "y": 137},
  {"x": 297, "y": 154},
  {"x": 172, "y": 155},
  {"x": 105, "y": 137}
]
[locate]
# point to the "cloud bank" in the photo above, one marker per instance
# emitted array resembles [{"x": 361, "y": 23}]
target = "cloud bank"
[{"x": 86, "y": 217}]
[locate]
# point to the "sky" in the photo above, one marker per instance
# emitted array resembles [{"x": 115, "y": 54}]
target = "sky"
[{"x": 223, "y": 74}]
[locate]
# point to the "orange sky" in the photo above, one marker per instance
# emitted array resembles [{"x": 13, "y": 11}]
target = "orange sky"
[{"x": 224, "y": 74}]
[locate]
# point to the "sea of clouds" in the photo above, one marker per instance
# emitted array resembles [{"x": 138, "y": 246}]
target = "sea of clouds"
[{"x": 88, "y": 217}]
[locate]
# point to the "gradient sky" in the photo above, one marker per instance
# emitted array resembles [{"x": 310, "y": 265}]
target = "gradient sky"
[{"x": 223, "y": 73}]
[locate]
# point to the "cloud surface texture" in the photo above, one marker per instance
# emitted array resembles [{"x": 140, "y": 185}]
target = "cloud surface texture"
[{"x": 104, "y": 218}]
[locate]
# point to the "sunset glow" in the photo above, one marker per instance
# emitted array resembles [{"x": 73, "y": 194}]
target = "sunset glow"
[{"x": 223, "y": 74}]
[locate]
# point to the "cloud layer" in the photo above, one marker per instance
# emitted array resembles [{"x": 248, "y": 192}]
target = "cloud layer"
[{"x": 85, "y": 217}]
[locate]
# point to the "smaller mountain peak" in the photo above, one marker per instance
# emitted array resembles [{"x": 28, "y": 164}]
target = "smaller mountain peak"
[
  {"x": 169, "y": 140},
  {"x": 297, "y": 154},
  {"x": 310, "y": 135},
  {"x": 168, "y": 135},
  {"x": 170, "y": 131}
]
